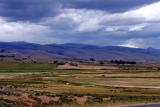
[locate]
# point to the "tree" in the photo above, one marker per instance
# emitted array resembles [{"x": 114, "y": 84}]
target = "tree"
[
  {"x": 92, "y": 59},
  {"x": 101, "y": 62},
  {"x": 122, "y": 62}
]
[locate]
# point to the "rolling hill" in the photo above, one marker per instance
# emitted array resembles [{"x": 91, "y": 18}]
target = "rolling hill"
[{"x": 80, "y": 51}]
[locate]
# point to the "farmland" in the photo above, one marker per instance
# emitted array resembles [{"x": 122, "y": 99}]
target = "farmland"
[{"x": 83, "y": 85}]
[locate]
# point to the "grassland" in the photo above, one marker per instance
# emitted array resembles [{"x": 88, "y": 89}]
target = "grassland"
[
  {"x": 44, "y": 85},
  {"x": 10, "y": 67}
]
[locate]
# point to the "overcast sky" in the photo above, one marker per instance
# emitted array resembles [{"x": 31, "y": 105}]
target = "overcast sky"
[{"x": 131, "y": 23}]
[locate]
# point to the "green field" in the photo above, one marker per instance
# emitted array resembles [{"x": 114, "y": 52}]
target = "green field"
[{"x": 25, "y": 67}]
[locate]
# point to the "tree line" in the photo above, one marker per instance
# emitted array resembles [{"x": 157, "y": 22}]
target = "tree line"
[{"x": 115, "y": 61}]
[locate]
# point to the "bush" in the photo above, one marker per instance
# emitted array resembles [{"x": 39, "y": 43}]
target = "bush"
[
  {"x": 122, "y": 62},
  {"x": 101, "y": 63},
  {"x": 59, "y": 62},
  {"x": 92, "y": 59},
  {"x": 73, "y": 64}
]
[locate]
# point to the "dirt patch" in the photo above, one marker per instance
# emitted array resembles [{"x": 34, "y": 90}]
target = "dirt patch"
[
  {"x": 79, "y": 66},
  {"x": 81, "y": 100},
  {"x": 46, "y": 99},
  {"x": 97, "y": 67},
  {"x": 23, "y": 99},
  {"x": 67, "y": 66}
]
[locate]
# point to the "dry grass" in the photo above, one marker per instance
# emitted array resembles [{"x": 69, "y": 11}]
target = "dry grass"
[{"x": 116, "y": 86}]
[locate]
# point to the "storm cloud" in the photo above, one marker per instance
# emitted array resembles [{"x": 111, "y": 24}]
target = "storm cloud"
[
  {"x": 30, "y": 10},
  {"x": 107, "y": 5},
  {"x": 130, "y": 23}
]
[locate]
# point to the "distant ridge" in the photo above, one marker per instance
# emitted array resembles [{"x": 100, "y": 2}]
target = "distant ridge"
[{"x": 82, "y": 51}]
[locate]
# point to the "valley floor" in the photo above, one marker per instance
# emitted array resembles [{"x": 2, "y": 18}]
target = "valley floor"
[{"x": 49, "y": 85}]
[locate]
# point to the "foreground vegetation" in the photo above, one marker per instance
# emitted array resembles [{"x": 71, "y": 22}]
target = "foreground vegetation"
[{"x": 89, "y": 85}]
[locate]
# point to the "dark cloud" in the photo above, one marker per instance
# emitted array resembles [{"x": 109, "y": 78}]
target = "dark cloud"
[
  {"x": 81, "y": 21},
  {"x": 28, "y": 9},
  {"x": 33, "y": 10},
  {"x": 107, "y": 5}
]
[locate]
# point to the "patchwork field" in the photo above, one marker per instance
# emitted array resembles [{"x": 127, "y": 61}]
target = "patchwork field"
[{"x": 49, "y": 85}]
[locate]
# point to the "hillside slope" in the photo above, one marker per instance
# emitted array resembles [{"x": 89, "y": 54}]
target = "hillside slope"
[{"x": 81, "y": 51}]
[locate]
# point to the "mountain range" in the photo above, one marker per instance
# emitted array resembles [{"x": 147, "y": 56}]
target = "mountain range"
[{"x": 81, "y": 51}]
